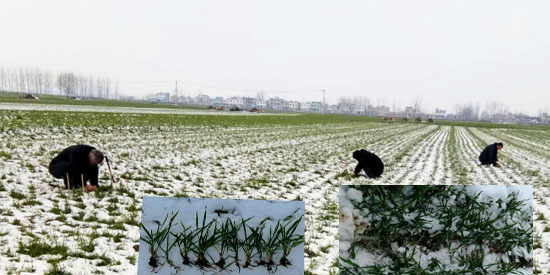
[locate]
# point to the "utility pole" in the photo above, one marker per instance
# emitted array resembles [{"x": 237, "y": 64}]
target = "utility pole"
[{"x": 116, "y": 90}]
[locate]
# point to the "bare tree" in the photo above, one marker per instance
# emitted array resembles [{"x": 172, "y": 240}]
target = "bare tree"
[
  {"x": 82, "y": 85},
  {"x": 116, "y": 91},
  {"x": 21, "y": 81},
  {"x": 3, "y": 79},
  {"x": 66, "y": 83},
  {"x": 380, "y": 101},
  {"x": 39, "y": 81},
  {"x": 12, "y": 79},
  {"x": 260, "y": 95},
  {"x": 361, "y": 101},
  {"x": 467, "y": 112},
  {"x": 503, "y": 109},
  {"x": 48, "y": 82},
  {"x": 345, "y": 100},
  {"x": 417, "y": 106},
  {"x": 91, "y": 86},
  {"x": 491, "y": 108},
  {"x": 107, "y": 86},
  {"x": 477, "y": 110},
  {"x": 395, "y": 106},
  {"x": 496, "y": 108},
  {"x": 99, "y": 88},
  {"x": 29, "y": 81},
  {"x": 542, "y": 112}
]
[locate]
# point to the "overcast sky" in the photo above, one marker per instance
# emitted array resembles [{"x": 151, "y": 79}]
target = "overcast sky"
[{"x": 446, "y": 52}]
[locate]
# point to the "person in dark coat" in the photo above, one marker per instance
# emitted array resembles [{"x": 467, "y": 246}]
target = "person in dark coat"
[
  {"x": 489, "y": 155},
  {"x": 76, "y": 165},
  {"x": 369, "y": 162}
]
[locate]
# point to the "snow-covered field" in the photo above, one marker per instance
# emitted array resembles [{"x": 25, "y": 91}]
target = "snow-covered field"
[
  {"x": 249, "y": 157},
  {"x": 80, "y": 108}
]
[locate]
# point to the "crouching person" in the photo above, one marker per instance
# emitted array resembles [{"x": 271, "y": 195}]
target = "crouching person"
[
  {"x": 368, "y": 162},
  {"x": 489, "y": 155},
  {"x": 77, "y": 165}
]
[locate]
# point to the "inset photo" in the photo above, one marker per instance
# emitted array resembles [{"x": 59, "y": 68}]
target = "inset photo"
[
  {"x": 427, "y": 229},
  {"x": 221, "y": 236}
]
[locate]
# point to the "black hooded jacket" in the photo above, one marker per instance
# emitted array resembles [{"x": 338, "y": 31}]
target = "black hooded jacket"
[
  {"x": 369, "y": 162},
  {"x": 74, "y": 161},
  {"x": 489, "y": 155}
]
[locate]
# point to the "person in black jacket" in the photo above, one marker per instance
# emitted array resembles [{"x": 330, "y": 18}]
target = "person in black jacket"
[
  {"x": 76, "y": 165},
  {"x": 489, "y": 155},
  {"x": 369, "y": 162}
]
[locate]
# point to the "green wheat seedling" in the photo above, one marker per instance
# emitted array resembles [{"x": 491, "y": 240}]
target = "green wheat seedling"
[
  {"x": 184, "y": 241},
  {"x": 270, "y": 244},
  {"x": 169, "y": 245},
  {"x": 155, "y": 238},
  {"x": 233, "y": 240},
  {"x": 351, "y": 268},
  {"x": 248, "y": 243},
  {"x": 259, "y": 242},
  {"x": 205, "y": 239},
  {"x": 289, "y": 240},
  {"x": 224, "y": 242}
]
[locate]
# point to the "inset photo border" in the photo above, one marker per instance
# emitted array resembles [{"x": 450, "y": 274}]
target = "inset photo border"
[
  {"x": 221, "y": 236},
  {"x": 421, "y": 229}
]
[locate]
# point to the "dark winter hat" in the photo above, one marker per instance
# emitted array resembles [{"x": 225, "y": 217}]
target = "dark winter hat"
[
  {"x": 97, "y": 155},
  {"x": 356, "y": 154},
  {"x": 500, "y": 144}
]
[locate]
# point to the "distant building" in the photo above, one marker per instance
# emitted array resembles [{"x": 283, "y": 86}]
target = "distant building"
[
  {"x": 525, "y": 119},
  {"x": 249, "y": 102},
  {"x": 439, "y": 114},
  {"x": 293, "y": 106},
  {"x": 185, "y": 100},
  {"x": 162, "y": 97},
  {"x": 383, "y": 110},
  {"x": 281, "y": 104},
  {"x": 452, "y": 117},
  {"x": 315, "y": 107},
  {"x": 345, "y": 108},
  {"x": 236, "y": 101},
  {"x": 217, "y": 101},
  {"x": 261, "y": 104},
  {"x": 203, "y": 100},
  {"x": 358, "y": 109},
  {"x": 276, "y": 103},
  {"x": 377, "y": 111},
  {"x": 545, "y": 118}
]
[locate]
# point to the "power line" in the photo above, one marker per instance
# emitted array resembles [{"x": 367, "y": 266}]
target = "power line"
[
  {"x": 223, "y": 88},
  {"x": 232, "y": 89},
  {"x": 249, "y": 90},
  {"x": 144, "y": 82}
]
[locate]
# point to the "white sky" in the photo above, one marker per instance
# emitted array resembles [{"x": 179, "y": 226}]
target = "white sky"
[{"x": 447, "y": 52}]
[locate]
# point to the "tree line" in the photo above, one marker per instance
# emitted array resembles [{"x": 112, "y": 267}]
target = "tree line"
[
  {"x": 466, "y": 111},
  {"x": 44, "y": 82}
]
